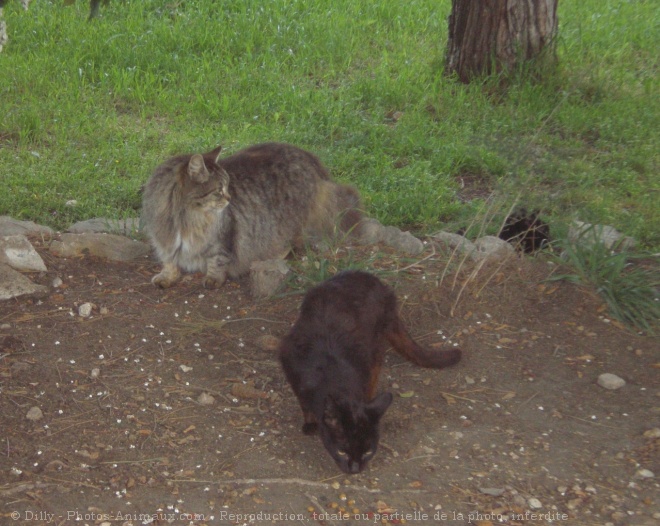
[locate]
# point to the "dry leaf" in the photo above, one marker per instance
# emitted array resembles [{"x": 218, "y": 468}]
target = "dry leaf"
[
  {"x": 585, "y": 358},
  {"x": 247, "y": 390},
  {"x": 268, "y": 343},
  {"x": 383, "y": 507}
]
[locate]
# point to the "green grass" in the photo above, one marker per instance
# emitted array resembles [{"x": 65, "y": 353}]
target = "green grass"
[{"x": 87, "y": 110}]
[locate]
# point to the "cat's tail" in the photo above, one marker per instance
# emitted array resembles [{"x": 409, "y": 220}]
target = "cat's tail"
[{"x": 402, "y": 342}]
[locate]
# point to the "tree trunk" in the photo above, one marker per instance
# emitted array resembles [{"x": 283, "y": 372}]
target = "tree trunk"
[{"x": 494, "y": 36}]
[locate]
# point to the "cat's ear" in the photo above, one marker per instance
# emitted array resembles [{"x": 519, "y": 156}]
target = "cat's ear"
[
  {"x": 215, "y": 154},
  {"x": 197, "y": 169},
  {"x": 377, "y": 407}
]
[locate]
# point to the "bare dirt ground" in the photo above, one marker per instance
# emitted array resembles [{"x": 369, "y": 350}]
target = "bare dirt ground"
[{"x": 518, "y": 433}]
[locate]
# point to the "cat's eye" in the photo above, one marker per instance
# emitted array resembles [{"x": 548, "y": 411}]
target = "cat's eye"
[
  {"x": 342, "y": 454},
  {"x": 368, "y": 453}
]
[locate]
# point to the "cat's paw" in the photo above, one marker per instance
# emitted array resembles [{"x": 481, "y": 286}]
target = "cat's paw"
[
  {"x": 212, "y": 283},
  {"x": 309, "y": 428},
  {"x": 162, "y": 281},
  {"x": 166, "y": 277}
]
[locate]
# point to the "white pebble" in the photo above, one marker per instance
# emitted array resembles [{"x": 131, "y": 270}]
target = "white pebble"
[
  {"x": 34, "y": 414},
  {"x": 535, "y": 504},
  {"x": 85, "y": 310},
  {"x": 644, "y": 474},
  {"x": 611, "y": 381}
]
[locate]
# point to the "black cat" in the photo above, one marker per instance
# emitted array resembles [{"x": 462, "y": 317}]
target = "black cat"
[
  {"x": 526, "y": 230},
  {"x": 332, "y": 358}
]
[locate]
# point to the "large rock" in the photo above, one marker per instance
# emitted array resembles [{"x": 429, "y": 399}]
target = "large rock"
[
  {"x": 110, "y": 246},
  {"x": 267, "y": 276},
  {"x": 373, "y": 232},
  {"x": 589, "y": 235},
  {"x": 491, "y": 247},
  {"x": 14, "y": 284},
  {"x": 126, "y": 227},
  {"x": 11, "y": 227},
  {"x": 18, "y": 252},
  {"x": 453, "y": 241}
]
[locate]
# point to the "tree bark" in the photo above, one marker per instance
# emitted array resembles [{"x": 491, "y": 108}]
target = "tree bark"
[{"x": 494, "y": 36}]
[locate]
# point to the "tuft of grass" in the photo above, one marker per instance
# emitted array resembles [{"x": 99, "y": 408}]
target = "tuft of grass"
[
  {"x": 628, "y": 283},
  {"x": 314, "y": 265}
]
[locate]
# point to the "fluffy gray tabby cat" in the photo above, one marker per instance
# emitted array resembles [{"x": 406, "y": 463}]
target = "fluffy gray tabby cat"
[{"x": 218, "y": 215}]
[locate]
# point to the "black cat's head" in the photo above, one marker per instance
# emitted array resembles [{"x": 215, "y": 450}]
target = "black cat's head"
[{"x": 349, "y": 430}]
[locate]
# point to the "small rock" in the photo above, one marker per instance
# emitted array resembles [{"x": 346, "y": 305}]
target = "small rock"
[
  {"x": 267, "y": 276},
  {"x": 534, "y": 503},
  {"x": 651, "y": 433},
  {"x": 574, "y": 504},
  {"x": 644, "y": 474},
  {"x": 85, "y": 310},
  {"x": 57, "y": 282},
  {"x": 96, "y": 372},
  {"x": 5, "y": 327},
  {"x": 185, "y": 368},
  {"x": 619, "y": 516},
  {"x": 34, "y": 414},
  {"x": 104, "y": 310},
  {"x": 493, "y": 492},
  {"x": 205, "y": 399},
  {"x": 71, "y": 203},
  {"x": 611, "y": 381}
]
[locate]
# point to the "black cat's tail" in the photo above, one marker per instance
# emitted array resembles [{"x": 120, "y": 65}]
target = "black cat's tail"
[{"x": 402, "y": 342}]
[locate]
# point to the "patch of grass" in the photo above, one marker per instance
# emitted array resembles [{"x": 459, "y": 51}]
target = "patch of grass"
[
  {"x": 628, "y": 283},
  {"x": 87, "y": 110},
  {"x": 313, "y": 266}
]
